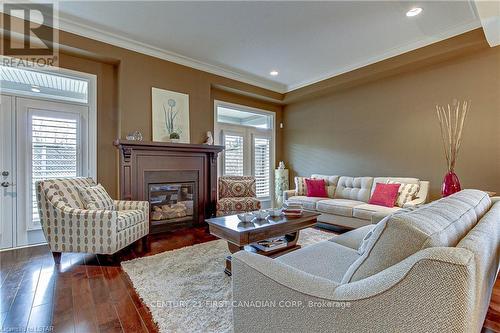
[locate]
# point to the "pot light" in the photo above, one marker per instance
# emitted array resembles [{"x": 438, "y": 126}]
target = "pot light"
[
  {"x": 414, "y": 12},
  {"x": 273, "y": 73},
  {"x": 35, "y": 89}
]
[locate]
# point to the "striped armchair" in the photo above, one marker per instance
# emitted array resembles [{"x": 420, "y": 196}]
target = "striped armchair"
[
  {"x": 69, "y": 227},
  {"x": 237, "y": 194}
]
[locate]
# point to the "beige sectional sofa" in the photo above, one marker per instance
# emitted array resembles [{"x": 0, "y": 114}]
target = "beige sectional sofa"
[
  {"x": 347, "y": 203},
  {"x": 431, "y": 269}
]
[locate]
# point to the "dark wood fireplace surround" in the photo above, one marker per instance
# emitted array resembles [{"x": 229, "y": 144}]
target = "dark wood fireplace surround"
[{"x": 138, "y": 159}]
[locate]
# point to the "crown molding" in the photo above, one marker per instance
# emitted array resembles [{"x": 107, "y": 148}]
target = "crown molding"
[
  {"x": 457, "y": 30},
  {"x": 129, "y": 44},
  {"x": 71, "y": 26}
]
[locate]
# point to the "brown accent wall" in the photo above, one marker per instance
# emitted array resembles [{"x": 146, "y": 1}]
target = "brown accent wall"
[
  {"x": 124, "y": 82},
  {"x": 381, "y": 121}
]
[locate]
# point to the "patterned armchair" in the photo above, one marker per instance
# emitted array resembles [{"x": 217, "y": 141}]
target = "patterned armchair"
[
  {"x": 237, "y": 194},
  {"x": 69, "y": 227}
]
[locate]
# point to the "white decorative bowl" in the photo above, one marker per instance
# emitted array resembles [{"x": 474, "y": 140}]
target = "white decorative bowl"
[
  {"x": 261, "y": 214},
  {"x": 246, "y": 217},
  {"x": 275, "y": 212}
]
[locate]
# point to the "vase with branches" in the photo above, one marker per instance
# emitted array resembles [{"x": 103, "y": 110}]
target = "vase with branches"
[{"x": 451, "y": 121}]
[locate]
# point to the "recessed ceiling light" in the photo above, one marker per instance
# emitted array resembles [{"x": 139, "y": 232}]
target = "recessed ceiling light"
[
  {"x": 35, "y": 89},
  {"x": 414, "y": 12},
  {"x": 273, "y": 73}
]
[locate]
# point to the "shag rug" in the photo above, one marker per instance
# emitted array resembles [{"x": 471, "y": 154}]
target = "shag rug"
[{"x": 187, "y": 290}]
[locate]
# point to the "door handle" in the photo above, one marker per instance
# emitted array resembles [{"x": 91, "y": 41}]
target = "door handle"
[{"x": 6, "y": 184}]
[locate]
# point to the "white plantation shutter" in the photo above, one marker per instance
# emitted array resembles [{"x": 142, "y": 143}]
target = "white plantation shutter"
[
  {"x": 55, "y": 150},
  {"x": 233, "y": 155},
  {"x": 262, "y": 166}
]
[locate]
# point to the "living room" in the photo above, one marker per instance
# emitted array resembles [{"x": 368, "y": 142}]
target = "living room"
[{"x": 249, "y": 166}]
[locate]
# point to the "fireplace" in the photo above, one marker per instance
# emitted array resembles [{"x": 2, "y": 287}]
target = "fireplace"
[
  {"x": 173, "y": 197},
  {"x": 179, "y": 181}
]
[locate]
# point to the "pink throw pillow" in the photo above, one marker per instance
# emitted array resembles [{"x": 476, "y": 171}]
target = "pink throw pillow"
[
  {"x": 385, "y": 195},
  {"x": 316, "y": 188}
]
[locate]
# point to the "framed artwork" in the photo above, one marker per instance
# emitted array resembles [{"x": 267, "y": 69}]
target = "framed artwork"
[{"x": 170, "y": 116}]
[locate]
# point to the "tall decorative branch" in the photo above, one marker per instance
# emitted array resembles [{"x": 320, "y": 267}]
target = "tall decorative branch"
[{"x": 451, "y": 122}]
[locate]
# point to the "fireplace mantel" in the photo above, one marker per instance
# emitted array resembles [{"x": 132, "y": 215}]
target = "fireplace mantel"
[{"x": 138, "y": 158}]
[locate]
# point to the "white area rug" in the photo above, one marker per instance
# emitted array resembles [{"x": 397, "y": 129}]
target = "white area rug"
[{"x": 186, "y": 289}]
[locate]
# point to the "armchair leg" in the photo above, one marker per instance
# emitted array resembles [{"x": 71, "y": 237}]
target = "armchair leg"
[
  {"x": 145, "y": 243},
  {"x": 57, "y": 257}
]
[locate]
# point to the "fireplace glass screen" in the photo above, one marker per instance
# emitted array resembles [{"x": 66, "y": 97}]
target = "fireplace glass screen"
[{"x": 171, "y": 202}]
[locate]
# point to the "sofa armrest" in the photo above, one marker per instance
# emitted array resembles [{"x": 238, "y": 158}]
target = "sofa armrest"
[
  {"x": 135, "y": 205},
  {"x": 128, "y": 205},
  {"x": 288, "y": 193},
  {"x": 295, "y": 301}
]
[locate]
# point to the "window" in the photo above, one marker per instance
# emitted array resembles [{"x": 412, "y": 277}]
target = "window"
[
  {"x": 233, "y": 155},
  {"x": 55, "y": 154},
  {"x": 262, "y": 166},
  {"x": 247, "y": 135}
]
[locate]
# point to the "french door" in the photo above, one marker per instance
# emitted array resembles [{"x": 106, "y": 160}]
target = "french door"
[
  {"x": 40, "y": 140},
  {"x": 248, "y": 151}
]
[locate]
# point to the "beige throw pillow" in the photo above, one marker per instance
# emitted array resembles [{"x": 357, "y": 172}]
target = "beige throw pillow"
[
  {"x": 300, "y": 185},
  {"x": 96, "y": 197},
  {"x": 407, "y": 192}
]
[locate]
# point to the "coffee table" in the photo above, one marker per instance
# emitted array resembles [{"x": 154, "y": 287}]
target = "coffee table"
[{"x": 239, "y": 235}]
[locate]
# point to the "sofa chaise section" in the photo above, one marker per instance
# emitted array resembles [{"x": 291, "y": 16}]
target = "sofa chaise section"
[{"x": 427, "y": 270}]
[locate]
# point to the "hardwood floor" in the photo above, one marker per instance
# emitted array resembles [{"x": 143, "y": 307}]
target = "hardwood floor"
[{"x": 89, "y": 293}]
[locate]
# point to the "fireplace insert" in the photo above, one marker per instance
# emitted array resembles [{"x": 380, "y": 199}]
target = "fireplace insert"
[
  {"x": 173, "y": 199},
  {"x": 172, "y": 202}
]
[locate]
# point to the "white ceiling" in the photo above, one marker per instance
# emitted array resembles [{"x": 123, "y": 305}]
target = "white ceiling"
[{"x": 305, "y": 41}]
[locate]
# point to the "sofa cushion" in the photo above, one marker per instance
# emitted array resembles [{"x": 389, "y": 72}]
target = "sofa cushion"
[
  {"x": 354, "y": 188},
  {"x": 342, "y": 207},
  {"x": 325, "y": 259},
  {"x": 331, "y": 183},
  {"x": 366, "y": 211},
  {"x": 306, "y": 202},
  {"x": 353, "y": 238},
  {"x": 441, "y": 223},
  {"x": 129, "y": 218},
  {"x": 229, "y": 206}
]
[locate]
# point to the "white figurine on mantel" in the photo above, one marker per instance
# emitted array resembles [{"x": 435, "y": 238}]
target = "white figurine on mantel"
[
  {"x": 281, "y": 165},
  {"x": 209, "y": 140}
]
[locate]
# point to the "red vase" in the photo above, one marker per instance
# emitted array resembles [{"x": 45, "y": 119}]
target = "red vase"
[{"x": 451, "y": 184}]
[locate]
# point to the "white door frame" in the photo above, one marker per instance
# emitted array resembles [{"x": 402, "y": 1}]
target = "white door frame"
[
  {"x": 92, "y": 139},
  {"x": 7, "y": 163}
]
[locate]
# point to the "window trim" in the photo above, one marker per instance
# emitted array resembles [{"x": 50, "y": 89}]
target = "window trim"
[{"x": 219, "y": 127}]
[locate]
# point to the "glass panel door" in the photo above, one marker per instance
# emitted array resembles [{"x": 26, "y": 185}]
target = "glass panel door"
[{"x": 52, "y": 142}]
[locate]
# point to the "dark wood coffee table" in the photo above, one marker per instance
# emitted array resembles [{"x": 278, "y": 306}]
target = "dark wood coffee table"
[{"x": 240, "y": 235}]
